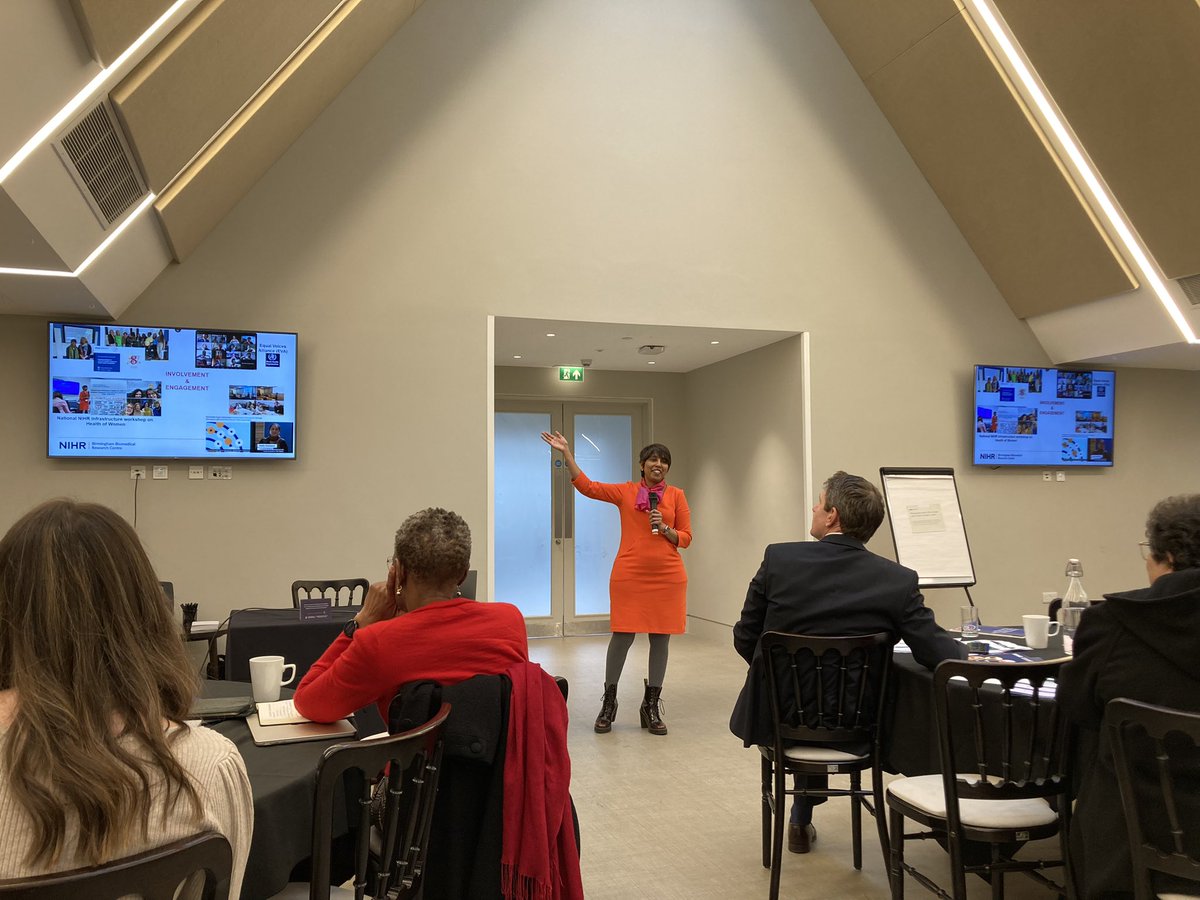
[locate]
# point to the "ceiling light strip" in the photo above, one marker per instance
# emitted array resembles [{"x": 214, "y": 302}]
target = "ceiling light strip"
[
  {"x": 1083, "y": 166},
  {"x": 93, "y": 256},
  {"x": 116, "y": 233},
  {"x": 39, "y": 273},
  {"x": 98, "y": 83}
]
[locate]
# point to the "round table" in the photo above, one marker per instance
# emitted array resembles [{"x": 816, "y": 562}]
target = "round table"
[{"x": 283, "y": 780}]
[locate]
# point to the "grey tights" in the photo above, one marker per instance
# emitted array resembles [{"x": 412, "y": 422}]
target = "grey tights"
[{"x": 618, "y": 649}]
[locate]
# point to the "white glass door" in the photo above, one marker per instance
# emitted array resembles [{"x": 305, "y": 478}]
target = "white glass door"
[{"x": 555, "y": 547}]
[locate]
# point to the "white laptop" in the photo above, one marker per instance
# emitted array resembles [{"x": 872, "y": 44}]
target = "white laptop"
[{"x": 266, "y": 735}]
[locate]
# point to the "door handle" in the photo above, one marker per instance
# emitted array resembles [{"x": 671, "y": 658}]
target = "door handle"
[
  {"x": 556, "y": 502},
  {"x": 568, "y": 508}
]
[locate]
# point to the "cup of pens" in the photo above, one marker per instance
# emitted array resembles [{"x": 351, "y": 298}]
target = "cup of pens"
[{"x": 189, "y": 616}]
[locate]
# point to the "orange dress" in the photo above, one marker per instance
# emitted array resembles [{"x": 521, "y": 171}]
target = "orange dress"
[{"x": 648, "y": 586}]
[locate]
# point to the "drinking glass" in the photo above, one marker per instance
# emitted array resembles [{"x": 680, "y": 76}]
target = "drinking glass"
[{"x": 970, "y": 623}]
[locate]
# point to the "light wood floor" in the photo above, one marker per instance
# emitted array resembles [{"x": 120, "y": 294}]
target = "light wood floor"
[{"x": 679, "y": 816}]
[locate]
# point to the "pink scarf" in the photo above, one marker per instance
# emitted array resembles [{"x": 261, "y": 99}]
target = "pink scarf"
[
  {"x": 539, "y": 859},
  {"x": 642, "y": 502}
]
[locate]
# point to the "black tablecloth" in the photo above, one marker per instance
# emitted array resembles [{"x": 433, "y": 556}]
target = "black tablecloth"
[
  {"x": 911, "y": 737},
  {"x": 280, "y": 632},
  {"x": 283, "y": 780}
]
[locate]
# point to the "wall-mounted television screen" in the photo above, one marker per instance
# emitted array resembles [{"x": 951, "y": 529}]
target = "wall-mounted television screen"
[
  {"x": 151, "y": 392},
  {"x": 1043, "y": 417}
]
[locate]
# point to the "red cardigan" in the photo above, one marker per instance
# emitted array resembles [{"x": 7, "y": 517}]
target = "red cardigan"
[{"x": 447, "y": 641}]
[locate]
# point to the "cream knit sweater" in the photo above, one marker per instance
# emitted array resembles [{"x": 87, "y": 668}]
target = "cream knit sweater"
[{"x": 216, "y": 769}]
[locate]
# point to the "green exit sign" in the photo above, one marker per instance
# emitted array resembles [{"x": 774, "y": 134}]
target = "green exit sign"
[{"x": 570, "y": 373}]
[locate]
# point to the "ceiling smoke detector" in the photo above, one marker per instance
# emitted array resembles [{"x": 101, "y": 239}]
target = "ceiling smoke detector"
[{"x": 651, "y": 349}]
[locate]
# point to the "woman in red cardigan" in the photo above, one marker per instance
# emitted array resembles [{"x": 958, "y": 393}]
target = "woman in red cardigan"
[
  {"x": 415, "y": 627},
  {"x": 648, "y": 586}
]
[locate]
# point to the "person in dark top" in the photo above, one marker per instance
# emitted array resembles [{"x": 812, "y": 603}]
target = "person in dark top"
[
  {"x": 833, "y": 586},
  {"x": 1142, "y": 644},
  {"x": 272, "y": 437}
]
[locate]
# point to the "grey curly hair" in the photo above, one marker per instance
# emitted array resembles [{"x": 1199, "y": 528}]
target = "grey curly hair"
[
  {"x": 1174, "y": 527},
  {"x": 434, "y": 545}
]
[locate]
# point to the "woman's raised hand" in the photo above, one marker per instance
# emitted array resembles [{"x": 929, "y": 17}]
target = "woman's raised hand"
[{"x": 556, "y": 441}]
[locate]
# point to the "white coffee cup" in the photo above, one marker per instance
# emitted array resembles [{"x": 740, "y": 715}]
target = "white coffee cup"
[
  {"x": 1038, "y": 631},
  {"x": 266, "y": 677}
]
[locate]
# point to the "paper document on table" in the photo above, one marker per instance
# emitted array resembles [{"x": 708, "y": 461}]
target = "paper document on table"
[{"x": 281, "y": 712}]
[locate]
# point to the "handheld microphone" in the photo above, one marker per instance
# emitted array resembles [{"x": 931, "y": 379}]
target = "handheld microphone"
[{"x": 653, "y": 507}]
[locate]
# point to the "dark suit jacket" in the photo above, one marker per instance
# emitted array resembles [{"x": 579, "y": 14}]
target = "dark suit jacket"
[{"x": 830, "y": 587}]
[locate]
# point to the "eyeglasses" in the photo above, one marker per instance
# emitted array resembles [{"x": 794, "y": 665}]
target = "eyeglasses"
[{"x": 1144, "y": 547}]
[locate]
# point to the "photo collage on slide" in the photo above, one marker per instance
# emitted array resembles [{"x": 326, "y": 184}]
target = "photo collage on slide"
[
  {"x": 1036, "y": 416},
  {"x": 170, "y": 392}
]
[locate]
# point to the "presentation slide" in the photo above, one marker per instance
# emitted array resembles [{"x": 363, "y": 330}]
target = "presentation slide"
[
  {"x": 171, "y": 393},
  {"x": 1043, "y": 417}
]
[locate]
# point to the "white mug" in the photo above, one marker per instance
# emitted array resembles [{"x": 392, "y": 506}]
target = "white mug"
[
  {"x": 266, "y": 677},
  {"x": 1038, "y": 631}
]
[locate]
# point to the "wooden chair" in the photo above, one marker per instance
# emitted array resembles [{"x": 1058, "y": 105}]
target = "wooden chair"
[
  {"x": 1156, "y": 751},
  {"x": 826, "y": 693},
  {"x": 154, "y": 875},
  {"x": 395, "y": 866},
  {"x": 464, "y": 860},
  {"x": 1004, "y": 755},
  {"x": 345, "y": 592}
]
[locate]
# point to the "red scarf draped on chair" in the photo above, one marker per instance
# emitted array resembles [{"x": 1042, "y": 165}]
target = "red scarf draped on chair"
[{"x": 539, "y": 859}]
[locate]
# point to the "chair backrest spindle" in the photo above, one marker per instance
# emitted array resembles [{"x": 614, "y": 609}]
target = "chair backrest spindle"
[
  {"x": 410, "y": 758},
  {"x": 339, "y": 592},
  {"x": 834, "y": 685},
  {"x": 1001, "y": 709},
  {"x": 1157, "y": 756}
]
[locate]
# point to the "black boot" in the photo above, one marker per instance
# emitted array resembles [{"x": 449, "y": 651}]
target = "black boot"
[
  {"x": 608, "y": 710},
  {"x": 652, "y": 710}
]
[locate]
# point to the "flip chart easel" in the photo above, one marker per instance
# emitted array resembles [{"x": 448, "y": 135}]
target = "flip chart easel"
[{"x": 926, "y": 519}]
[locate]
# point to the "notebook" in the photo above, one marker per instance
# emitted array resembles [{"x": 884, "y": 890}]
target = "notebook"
[
  {"x": 266, "y": 735},
  {"x": 280, "y": 712}
]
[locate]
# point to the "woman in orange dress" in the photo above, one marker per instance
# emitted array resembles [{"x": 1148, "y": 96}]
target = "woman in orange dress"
[{"x": 648, "y": 585}]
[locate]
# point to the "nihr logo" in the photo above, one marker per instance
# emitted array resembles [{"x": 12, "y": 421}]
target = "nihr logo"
[{"x": 72, "y": 445}]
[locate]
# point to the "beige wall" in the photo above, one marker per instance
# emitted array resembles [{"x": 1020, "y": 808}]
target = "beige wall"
[
  {"x": 747, "y": 445},
  {"x": 689, "y": 163},
  {"x": 663, "y": 394}
]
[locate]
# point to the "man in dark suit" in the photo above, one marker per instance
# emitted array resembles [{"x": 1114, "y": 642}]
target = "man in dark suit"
[{"x": 833, "y": 586}]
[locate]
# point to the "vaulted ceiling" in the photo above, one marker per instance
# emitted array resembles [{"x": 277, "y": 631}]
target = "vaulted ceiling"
[
  {"x": 171, "y": 112},
  {"x": 1123, "y": 81},
  {"x": 131, "y": 129}
]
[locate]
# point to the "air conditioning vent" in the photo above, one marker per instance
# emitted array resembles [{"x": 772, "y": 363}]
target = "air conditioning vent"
[
  {"x": 95, "y": 153},
  {"x": 1191, "y": 288}
]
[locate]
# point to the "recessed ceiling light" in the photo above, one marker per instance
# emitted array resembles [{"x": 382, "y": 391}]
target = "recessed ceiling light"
[
  {"x": 714, "y": 343},
  {"x": 650, "y": 363},
  {"x": 517, "y": 356},
  {"x": 551, "y": 334}
]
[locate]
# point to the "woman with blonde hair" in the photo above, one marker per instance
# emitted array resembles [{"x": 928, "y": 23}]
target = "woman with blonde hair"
[{"x": 94, "y": 687}]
